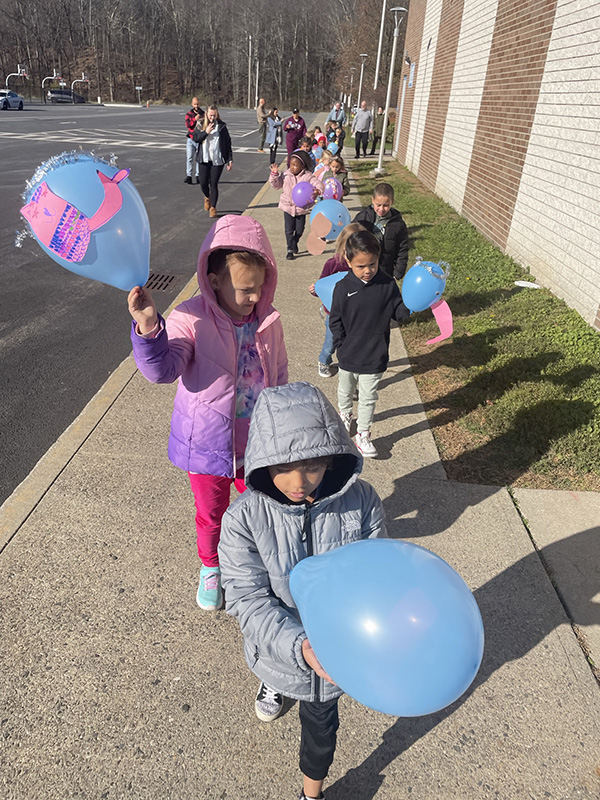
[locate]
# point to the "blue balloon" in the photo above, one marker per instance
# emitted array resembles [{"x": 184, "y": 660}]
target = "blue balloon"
[
  {"x": 317, "y": 151},
  {"x": 117, "y": 250},
  {"x": 333, "y": 148},
  {"x": 392, "y": 623},
  {"x": 324, "y": 288},
  {"x": 337, "y": 214},
  {"x": 423, "y": 285}
]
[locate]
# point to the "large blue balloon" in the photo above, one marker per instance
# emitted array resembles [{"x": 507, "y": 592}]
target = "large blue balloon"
[
  {"x": 424, "y": 284},
  {"x": 117, "y": 250},
  {"x": 392, "y": 623},
  {"x": 337, "y": 214}
]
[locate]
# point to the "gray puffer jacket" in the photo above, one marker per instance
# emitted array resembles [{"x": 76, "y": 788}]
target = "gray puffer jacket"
[{"x": 263, "y": 535}]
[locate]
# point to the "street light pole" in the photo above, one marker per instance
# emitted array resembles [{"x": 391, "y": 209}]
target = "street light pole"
[
  {"x": 352, "y": 71},
  {"x": 380, "y": 43},
  {"x": 397, "y": 20},
  {"x": 249, "y": 67},
  {"x": 362, "y": 69},
  {"x": 256, "y": 86}
]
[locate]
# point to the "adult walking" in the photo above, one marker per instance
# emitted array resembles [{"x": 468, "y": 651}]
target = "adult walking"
[
  {"x": 214, "y": 153},
  {"x": 261, "y": 117},
  {"x": 193, "y": 117},
  {"x": 295, "y": 129},
  {"x": 362, "y": 126},
  {"x": 377, "y": 130},
  {"x": 274, "y": 135},
  {"x": 337, "y": 115}
]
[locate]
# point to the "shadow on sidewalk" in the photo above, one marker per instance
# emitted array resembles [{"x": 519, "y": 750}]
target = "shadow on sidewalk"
[{"x": 519, "y": 610}]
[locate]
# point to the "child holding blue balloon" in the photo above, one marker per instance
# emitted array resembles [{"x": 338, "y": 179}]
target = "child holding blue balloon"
[
  {"x": 304, "y": 497},
  {"x": 223, "y": 347},
  {"x": 294, "y": 216},
  {"x": 364, "y": 303}
]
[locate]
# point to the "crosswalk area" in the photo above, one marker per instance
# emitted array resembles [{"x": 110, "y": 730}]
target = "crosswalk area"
[{"x": 98, "y": 137}]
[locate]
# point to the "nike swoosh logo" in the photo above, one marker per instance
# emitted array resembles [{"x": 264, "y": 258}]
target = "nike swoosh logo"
[{"x": 351, "y": 293}]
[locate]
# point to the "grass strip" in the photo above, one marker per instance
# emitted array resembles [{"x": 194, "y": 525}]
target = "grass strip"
[{"x": 513, "y": 398}]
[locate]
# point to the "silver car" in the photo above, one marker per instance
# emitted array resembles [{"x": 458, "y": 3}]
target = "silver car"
[{"x": 9, "y": 99}]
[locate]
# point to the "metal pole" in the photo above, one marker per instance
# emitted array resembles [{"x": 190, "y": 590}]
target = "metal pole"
[
  {"x": 389, "y": 89},
  {"x": 380, "y": 43},
  {"x": 249, "y": 68},
  {"x": 256, "y": 86},
  {"x": 362, "y": 69}
]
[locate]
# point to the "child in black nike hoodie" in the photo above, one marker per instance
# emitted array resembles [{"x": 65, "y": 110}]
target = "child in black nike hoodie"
[{"x": 364, "y": 303}]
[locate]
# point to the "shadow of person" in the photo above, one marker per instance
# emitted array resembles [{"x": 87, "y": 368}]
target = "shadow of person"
[{"x": 519, "y": 608}]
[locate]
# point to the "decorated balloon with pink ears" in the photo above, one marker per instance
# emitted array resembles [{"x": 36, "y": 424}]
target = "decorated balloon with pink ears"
[
  {"x": 87, "y": 215},
  {"x": 422, "y": 287}
]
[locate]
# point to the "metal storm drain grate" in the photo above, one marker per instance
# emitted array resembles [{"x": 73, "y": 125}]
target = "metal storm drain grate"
[{"x": 159, "y": 282}]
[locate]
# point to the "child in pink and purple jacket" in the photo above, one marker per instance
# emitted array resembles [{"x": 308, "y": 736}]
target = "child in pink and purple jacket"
[
  {"x": 223, "y": 346},
  {"x": 300, "y": 169}
]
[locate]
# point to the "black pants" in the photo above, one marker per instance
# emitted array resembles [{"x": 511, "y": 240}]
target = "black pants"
[
  {"x": 374, "y": 145},
  {"x": 319, "y": 722},
  {"x": 361, "y": 138},
  {"x": 294, "y": 228},
  {"x": 209, "y": 180},
  {"x": 273, "y": 155}
]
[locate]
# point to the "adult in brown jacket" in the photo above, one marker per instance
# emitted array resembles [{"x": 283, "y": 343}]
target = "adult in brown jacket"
[{"x": 261, "y": 117}]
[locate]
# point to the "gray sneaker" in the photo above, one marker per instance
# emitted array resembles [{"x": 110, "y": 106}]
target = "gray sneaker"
[
  {"x": 268, "y": 704},
  {"x": 325, "y": 371}
]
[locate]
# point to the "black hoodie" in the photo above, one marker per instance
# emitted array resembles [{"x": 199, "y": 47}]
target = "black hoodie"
[{"x": 360, "y": 321}]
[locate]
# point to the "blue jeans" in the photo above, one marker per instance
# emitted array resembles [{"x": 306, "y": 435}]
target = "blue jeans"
[
  {"x": 191, "y": 148},
  {"x": 326, "y": 356}
]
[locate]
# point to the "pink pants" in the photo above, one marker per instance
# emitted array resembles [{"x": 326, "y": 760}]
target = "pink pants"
[{"x": 211, "y": 496}]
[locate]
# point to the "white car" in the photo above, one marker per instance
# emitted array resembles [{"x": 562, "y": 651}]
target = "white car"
[{"x": 9, "y": 99}]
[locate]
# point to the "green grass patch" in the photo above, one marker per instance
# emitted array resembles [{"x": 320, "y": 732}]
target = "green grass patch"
[{"x": 513, "y": 397}]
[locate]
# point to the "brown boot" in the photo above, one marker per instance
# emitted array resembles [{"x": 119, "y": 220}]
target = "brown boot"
[
  {"x": 213, "y": 211},
  {"x": 206, "y": 203}
]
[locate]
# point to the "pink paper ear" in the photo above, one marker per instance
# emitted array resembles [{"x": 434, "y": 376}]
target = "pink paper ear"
[
  {"x": 320, "y": 226},
  {"x": 443, "y": 317},
  {"x": 314, "y": 245}
]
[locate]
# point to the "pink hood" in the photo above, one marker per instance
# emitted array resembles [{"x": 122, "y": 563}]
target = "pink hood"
[{"x": 226, "y": 234}]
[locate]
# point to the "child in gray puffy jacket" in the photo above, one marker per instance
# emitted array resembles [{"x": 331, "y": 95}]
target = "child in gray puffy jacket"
[{"x": 304, "y": 497}]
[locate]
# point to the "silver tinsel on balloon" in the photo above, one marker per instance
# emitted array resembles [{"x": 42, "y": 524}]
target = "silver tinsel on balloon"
[{"x": 68, "y": 157}]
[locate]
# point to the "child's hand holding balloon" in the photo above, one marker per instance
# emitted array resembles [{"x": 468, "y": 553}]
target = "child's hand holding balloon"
[
  {"x": 313, "y": 662},
  {"x": 142, "y": 309}
]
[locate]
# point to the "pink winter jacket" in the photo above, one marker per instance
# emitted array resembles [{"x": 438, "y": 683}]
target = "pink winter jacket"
[
  {"x": 199, "y": 347},
  {"x": 287, "y": 181}
]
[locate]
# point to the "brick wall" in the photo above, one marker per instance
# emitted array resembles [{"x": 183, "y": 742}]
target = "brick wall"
[{"x": 503, "y": 121}]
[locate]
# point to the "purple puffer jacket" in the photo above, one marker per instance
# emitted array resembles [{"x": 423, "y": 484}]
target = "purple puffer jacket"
[{"x": 199, "y": 347}]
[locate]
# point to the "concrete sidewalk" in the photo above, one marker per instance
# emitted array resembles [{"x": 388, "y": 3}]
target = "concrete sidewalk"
[{"x": 115, "y": 685}]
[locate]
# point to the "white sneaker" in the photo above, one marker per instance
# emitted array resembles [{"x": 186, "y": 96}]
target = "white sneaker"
[
  {"x": 365, "y": 445},
  {"x": 268, "y": 704},
  {"x": 347, "y": 419}
]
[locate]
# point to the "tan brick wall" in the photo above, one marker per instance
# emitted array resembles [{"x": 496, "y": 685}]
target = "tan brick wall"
[
  {"x": 514, "y": 74},
  {"x": 412, "y": 46},
  {"x": 439, "y": 98}
]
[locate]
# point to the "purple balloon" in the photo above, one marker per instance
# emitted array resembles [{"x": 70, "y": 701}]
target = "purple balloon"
[
  {"x": 302, "y": 194},
  {"x": 333, "y": 189}
]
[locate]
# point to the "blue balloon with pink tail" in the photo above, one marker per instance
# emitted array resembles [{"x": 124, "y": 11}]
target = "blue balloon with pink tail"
[
  {"x": 87, "y": 215},
  {"x": 424, "y": 284}
]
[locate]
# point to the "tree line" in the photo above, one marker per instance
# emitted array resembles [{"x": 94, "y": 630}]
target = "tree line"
[{"x": 177, "y": 48}]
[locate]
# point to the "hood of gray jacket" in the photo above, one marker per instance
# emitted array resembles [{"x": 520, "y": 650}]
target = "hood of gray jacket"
[{"x": 295, "y": 422}]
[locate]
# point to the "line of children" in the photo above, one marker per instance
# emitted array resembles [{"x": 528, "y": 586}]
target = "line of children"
[
  {"x": 304, "y": 497},
  {"x": 337, "y": 263},
  {"x": 300, "y": 169},
  {"x": 364, "y": 303},
  {"x": 386, "y": 223},
  {"x": 223, "y": 347}
]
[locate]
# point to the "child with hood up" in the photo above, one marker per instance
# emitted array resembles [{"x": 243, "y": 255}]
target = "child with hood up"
[
  {"x": 223, "y": 347},
  {"x": 300, "y": 169},
  {"x": 304, "y": 497}
]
